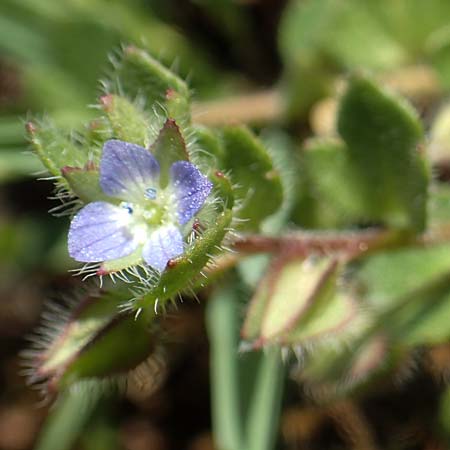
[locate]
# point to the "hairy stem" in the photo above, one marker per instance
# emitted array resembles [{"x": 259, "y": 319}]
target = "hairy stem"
[{"x": 351, "y": 244}]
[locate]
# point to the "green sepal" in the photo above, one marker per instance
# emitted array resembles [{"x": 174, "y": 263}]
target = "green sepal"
[
  {"x": 258, "y": 184},
  {"x": 382, "y": 133},
  {"x": 117, "y": 265},
  {"x": 169, "y": 148},
  {"x": 224, "y": 189},
  {"x": 85, "y": 183},
  {"x": 95, "y": 341},
  {"x": 55, "y": 149},
  {"x": 128, "y": 122},
  {"x": 182, "y": 272}
]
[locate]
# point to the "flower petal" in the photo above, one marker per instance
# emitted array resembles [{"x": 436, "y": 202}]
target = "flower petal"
[
  {"x": 127, "y": 170},
  {"x": 191, "y": 188},
  {"x": 100, "y": 232},
  {"x": 164, "y": 243}
]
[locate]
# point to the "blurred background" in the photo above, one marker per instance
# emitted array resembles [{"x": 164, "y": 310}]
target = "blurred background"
[{"x": 289, "y": 57}]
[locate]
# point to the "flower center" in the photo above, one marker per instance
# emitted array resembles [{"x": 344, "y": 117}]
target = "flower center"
[{"x": 156, "y": 209}]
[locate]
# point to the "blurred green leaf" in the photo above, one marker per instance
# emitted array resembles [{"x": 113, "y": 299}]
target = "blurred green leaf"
[
  {"x": 377, "y": 175},
  {"x": 329, "y": 196},
  {"x": 258, "y": 184},
  {"x": 297, "y": 302},
  {"x": 96, "y": 341},
  {"x": 410, "y": 292},
  {"x": 382, "y": 133}
]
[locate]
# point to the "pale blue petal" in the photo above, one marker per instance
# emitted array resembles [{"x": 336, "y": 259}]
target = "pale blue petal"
[
  {"x": 164, "y": 243},
  {"x": 127, "y": 170},
  {"x": 191, "y": 189},
  {"x": 99, "y": 233}
]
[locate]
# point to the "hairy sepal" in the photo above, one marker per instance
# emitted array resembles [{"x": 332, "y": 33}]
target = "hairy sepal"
[{"x": 95, "y": 341}]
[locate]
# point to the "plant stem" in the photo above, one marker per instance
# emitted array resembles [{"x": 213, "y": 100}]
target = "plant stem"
[
  {"x": 259, "y": 107},
  {"x": 349, "y": 243},
  {"x": 222, "y": 322},
  {"x": 263, "y": 417}
]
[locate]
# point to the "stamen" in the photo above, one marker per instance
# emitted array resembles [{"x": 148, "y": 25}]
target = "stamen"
[
  {"x": 127, "y": 206},
  {"x": 150, "y": 193}
]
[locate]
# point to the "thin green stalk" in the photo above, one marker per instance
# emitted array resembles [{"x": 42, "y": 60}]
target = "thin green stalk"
[
  {"x": 264, "y": 413},
  {"x": 222, "y": 323},
  {"x": 68, "y": 418}
]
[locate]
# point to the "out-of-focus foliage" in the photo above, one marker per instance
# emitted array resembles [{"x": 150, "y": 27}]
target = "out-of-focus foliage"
[
  {"x": 321, "y": 38},
  {"x": 344, "y": 195}
]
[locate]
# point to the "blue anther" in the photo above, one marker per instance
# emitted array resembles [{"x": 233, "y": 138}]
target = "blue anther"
[{"x": 150, "y": 193}]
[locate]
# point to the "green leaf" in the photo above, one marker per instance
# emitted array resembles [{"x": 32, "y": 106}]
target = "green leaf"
[
  {"x": 410, "y": 292},
  {"x": 297, "y": 302},
  {"x": 329, "y": 195},
  {"x": 258, "y": 183},
  {"x": 95, "y": 341},
  {"x": 389, "y": 277},
  {"x": 184, "y": 270},
  {"x": 295, "y": 287},
  {"x": 382, "y": 133},
  {"x": 168, "y": 148}
]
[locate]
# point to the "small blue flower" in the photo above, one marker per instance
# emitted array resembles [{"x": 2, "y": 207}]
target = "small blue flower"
[{"x": 142, "y": 214}]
